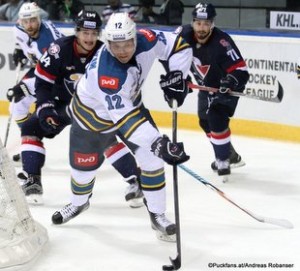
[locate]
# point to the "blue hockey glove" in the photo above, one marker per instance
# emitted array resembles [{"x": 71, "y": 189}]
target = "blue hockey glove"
[
  {"x": 174, "y": 87},
  {"x": 171, "y": 153},
  {"x": 48, "y": 118}
]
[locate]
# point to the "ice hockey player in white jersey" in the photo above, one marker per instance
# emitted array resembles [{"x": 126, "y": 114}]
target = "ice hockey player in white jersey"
[
  {"x": 33, "y": 36},
  {"x": 108, "y": 99}
]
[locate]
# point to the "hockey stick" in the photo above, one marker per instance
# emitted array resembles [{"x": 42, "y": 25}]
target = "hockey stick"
[
  {"x": 276, "y": 99},
  {"x": 275, "y": 221},
  {"x": 176, "y": 263},
  {"x": 18, "y": 69}
]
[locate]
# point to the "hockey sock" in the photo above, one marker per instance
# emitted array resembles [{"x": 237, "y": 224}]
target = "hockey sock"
[
  {"x": 122, "y": 160},
  {"x": 33, "y": 155},
  {"x": 221, "y": 144}
]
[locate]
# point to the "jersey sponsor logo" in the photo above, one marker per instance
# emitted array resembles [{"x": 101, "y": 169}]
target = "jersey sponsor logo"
[
  {"x": 148, "y": 34},
  {"x": 109, "y": 82},
  {"x": 86, "y": 160}
]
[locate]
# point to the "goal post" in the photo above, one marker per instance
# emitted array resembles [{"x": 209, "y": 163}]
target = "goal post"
[{"x": 21, "y": 237}]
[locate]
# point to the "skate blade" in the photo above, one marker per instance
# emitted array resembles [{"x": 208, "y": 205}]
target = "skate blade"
[
  {"x": 136, "y": 202},
  {"x": 225, "y": 178},
  {"x": 239, "y": 164},
  {"x": 164, "y": 237},
  {"x": 234, "y": 165},
  {"x": 35, "y": 199}
]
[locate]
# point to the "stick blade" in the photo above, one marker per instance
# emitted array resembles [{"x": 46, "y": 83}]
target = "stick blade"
[
  {"x": 284, "y": 223},
  {"x": 176, "y": 264}
]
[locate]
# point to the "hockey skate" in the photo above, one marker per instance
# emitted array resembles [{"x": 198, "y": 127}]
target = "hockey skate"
[
  {"x": 165, "y": 230},
  {"x": 32, "y": 188},
  {"x": 134, "y": 194},
  {"x": 223, "y": 169},
  {"x": 22, "y": 177},
  {"x": 68, "y": 212},
  {"x": 234, "y": 158}
]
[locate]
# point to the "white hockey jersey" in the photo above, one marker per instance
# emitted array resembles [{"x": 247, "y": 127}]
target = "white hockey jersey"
[
  {"x": 109, "y": 95},
  {"x": 33, "y": 48}
]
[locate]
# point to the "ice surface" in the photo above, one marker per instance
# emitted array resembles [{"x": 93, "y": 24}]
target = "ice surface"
[{"x": 214, "y": 233}]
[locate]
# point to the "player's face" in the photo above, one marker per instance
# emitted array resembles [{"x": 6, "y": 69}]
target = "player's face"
[
  {"x": 123, "y": 50},
  {"x": 87, "y": 39},
  {"x": 31, "y": 26},
  {"x": 202, "y": 29}
]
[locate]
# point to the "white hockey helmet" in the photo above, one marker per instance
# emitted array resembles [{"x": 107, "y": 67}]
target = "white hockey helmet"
[
  {"x": 29, "y": 10},
  {"x": 120, "y": 27}
]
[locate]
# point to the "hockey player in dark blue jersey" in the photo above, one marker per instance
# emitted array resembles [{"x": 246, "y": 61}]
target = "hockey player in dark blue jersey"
[
  {"x": 57, "y": 72},
  {"x": 218, "y": 63}
]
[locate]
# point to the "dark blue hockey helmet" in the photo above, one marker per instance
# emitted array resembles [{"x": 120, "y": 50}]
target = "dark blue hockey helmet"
[
  {"x": 204, "y": 12},
  {"x": 88, "y": 20}
]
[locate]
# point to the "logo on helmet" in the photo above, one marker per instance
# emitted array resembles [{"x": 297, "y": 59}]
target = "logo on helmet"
[
  {"x": 117, "y": 37},
  {"x": 89, "y": 24}
]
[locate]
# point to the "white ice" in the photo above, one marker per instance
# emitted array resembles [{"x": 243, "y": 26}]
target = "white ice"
[{"x": 214, "y": 233}]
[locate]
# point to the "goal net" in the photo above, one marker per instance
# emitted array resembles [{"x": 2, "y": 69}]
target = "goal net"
[{"x": 21, "y": 238}]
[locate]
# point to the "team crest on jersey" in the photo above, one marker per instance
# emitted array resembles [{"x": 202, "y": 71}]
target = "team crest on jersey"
[
  {"x": 75, "y": 76},
  {"x": 109, "y": 82},
  {"x": 54, "y": 49},
  {"x": 225, "y": 43},
  {"x": 203, "y": 70},
  {"x": 148, "y": 34}
]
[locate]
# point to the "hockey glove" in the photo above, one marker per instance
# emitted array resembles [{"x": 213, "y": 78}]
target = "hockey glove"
[
  {"x": 48, "y": 118},
  {"x": 226, "y": 84},
  {"x": 18, "y": 92},
  {"x": 174, "y": 87},
  {"x": 19, "y": 57},
  {"x": 171, "y": 153}
]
